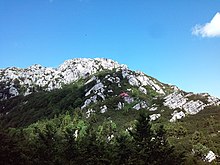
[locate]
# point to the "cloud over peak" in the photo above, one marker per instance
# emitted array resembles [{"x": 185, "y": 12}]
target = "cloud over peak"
[{"x": 211, "y": 29}]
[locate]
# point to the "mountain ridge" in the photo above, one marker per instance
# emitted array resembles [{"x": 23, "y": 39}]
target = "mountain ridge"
[
  {"x": 16, "y": 81},
  {"x": 101, "y": 90},
  {"x": 66, "y": 72},
  {"x": 37, "y": 76}
]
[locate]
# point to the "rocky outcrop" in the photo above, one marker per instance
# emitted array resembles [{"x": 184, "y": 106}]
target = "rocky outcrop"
[
  {"x": 140, "y": 105},
  {"x": 37, "y": 77},
  {"x": 179, "y": 100},
  {"x": 177, "y": 116},
  {"x": 139, "y": 79},
  {"x": 193, "y": 107},
  {"x": 175, "y": 100},
  {"x": 154, "y": 117},
  {"x": 210, "y": 156},
  {"x": 103, "y": 109}
]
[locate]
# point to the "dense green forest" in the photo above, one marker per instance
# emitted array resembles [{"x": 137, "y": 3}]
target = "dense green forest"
[{"x": 71, "y": 140}]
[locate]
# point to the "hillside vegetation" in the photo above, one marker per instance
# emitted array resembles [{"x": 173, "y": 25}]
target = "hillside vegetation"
[{"x": 107, "y": 116}]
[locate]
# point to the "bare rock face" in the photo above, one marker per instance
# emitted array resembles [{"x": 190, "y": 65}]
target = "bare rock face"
[
  {"x": 25, "y": 81},
  {"x": 97, "y": 89},
  {"x": 193, "y": 107},
  {"x": 179, "y": 100},
  {"x": 120, "y": 106},
  {"x": 139, "y": 79},
  {"x": 17, "y": 81},
  {"x": 210, "y": 156},
  {"x": 8, "y": 92},
  {"x": 175, "y": 100},
  {"x": 143, "y": 90},
  {"x": 177, "y": 116},
  {"x": 154, "y": 117},
  {"x": 140, "y": 105},
  {"x": 103, "y": 109}
]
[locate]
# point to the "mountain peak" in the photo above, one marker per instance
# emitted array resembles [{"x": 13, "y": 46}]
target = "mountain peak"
[
  {"x": 36, "y": 77},
  {"x": 16, "y": 81}
]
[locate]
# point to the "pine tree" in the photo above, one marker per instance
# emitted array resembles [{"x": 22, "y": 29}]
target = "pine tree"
[
  {"x": 123, "y": 150},
  {"x": 151, "y": 147},
  {"x": 10, "y": 153},
  {"x": 71, "y": 152},
  {"x": 92, "y": 151}
]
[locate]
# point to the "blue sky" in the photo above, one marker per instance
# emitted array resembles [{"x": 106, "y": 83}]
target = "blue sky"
[{"x": 166, "y": 39}]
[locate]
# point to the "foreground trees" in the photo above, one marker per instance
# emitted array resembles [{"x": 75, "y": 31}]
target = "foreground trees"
[
  {"x": 147, "y": 146},
  {"x": 70, "y": 140}
]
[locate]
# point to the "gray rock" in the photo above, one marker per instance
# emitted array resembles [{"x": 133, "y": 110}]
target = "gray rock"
[
  {"x": 120, "y": 105},
  {"x": 154, "y": 117},
  {"x": 103, "y": 109},
  {"x": 177, "y": 116},
  {"x": 193, "y": 107},
  {"x": 143, "y": 90},
  {"x": 13, "y": 91},
  {"x": 175, "y": 100},
  {"x": 210, "y": 156},
  {"x": 129, "y": 99}
]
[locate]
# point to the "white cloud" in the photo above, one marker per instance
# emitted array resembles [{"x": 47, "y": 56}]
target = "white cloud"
[{"x": 211, "y": 29}]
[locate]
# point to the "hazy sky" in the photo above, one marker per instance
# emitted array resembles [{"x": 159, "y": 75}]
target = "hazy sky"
[{"x": 175, "y": 41}]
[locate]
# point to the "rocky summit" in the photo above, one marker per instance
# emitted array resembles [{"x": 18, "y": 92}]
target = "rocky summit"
[
  {"x": 16, "y": 81},
  {"x": 102, "y": 89}
]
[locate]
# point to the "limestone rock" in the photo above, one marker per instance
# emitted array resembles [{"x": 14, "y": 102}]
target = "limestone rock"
[
  {"x": 210, "y": 156},
  {"x": 120, "y": 105},
  {"x": 177, "y": 116},
  {"x": 154, "y": 117},
  {"x": 143, "y": 90},
  {"x": 89, "y": 112},
  {"x": 193, "y": 107},
  {"x": 129, "y": 99},
  {"x": 103, "y": 109},
  {"x": 53, "y": 78},
  {"x": 140, "y": 105},
  {"x": 175, "y": 100},
  {"x": 13, "y": 91}
]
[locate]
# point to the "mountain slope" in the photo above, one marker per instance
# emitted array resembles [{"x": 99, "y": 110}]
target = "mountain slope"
[
  {"x": 102, "y": 89},
  {"x": 95, "y": 81}
]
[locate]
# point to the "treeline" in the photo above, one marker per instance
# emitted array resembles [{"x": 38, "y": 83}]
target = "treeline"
[{"x": 71, "y": 140}]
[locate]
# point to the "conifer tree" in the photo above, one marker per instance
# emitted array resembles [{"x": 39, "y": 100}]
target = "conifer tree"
[{"x": 151, "y": 147}]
